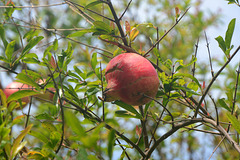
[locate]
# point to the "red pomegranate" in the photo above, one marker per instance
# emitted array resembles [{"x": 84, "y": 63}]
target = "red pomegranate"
[{"x": 130, "y": 76}]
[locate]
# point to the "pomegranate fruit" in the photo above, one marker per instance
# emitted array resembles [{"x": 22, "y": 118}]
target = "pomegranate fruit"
[
  {"x": 14, "y": 87},
  {"x": 130, "y": 76}
]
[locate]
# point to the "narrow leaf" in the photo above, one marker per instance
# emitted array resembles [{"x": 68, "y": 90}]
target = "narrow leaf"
[
  {"x": 128, "y": 108},
  {"x": 2, "y": 35},
  {"x": 229, "y": 33},
  {"x": 74, "y": 123},
  {"x": 23, "y": 78},
  {"x": 221, "y": 43},
  {"x": 21, "y": 94},
  {"x": 111, "y": 140},
  {"x": 93, "y": 4},
  {"x": 9, "y": 50},
  {"x": 94, "y": 61},
  {"x": 33, "y": 42},
  {"x": 17, "y": 141},
  {"x": 81, "y": 33},
  {"x": 133, "y": 34},
  {"x": 101, "y": 26},
  {"x": 188, "y": 76},
  {"x": 224, "y": 104},
  {"x": 234, "y": 121},
  {"x": 55, "y": 45},
  {"x": 125, "y": 114}
]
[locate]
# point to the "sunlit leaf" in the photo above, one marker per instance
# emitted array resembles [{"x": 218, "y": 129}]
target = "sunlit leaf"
[
  {"x": 224, "y": 104},
  {"x": 9, "y": 50},
  {"x": 23, "y": 78},
  {"x": 221, "y": 43},
  {"x": 16, "y": 143},
  {"x": 21, "y": 94},
  {"x": 229, "y": 33},
  {"x": 235, "y": 122},
  {"x": 94, "y": 3},
  {"x": 111, "y": 140},
  {"x": 33, "y": 42},
  {"x": 94, "y": 61},
  {"x": 2, "y": 35}
]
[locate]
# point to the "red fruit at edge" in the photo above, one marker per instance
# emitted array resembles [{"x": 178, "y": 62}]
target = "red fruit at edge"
[
  {"x": 14, "y": 87},
  {"x": 130, "y": 76}
]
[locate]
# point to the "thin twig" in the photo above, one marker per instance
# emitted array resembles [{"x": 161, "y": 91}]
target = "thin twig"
[
  {"x": 195, "y": 55},
  {"x": 150, "y": 49},
  {"x": 144, "y": 129},
  {"x": 224, "y": 132},
  {"x": 87, "y": 17},
  {"x": 209, "y": 54},
  {"x": 204, "y": 131},
  {"x": 90, "y": 10},
  {"x": 49, "y": 5},
  {"x": 169, "y": 133},
  {"x": 215, "y": 105},
  {"x": 163, "y": 107},
  {"x": 216, "y": 147},
  {"x": 117, "y": 21},
  {"x": 102, "y": 91},
  {"x": 61, "y": 106},
  {"x": 63, "y": 36},
  {"x": 123, "y": 149},
  {"x": 213, "y": 80},
  {"x": 120, "y": 18},
  {"x": 235, "y": 95}
]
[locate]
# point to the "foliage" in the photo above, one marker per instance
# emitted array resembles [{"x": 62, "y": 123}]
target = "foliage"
[{"x": 63, "y": 52}]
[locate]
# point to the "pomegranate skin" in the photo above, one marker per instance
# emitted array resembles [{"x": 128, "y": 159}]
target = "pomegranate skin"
[
  {"x": 130, "y": 76},
  {"x": 14, "y": 87}
]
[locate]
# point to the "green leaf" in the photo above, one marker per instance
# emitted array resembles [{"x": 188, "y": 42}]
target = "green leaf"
[
  {"x": 93, "y": 4},
  {"x": 29, "y": 35},
  {"x": 224, "y": 104},
  {"x": 82, "y": 154},
  {"x": 128, "y": 108},
  {"x": 16, "y": 143},
  {"x": 49, "y": 126},
  {"x": 235, "y": 122},
  {"x": 74, "y": 123},
  {"x": 101, "y": 26},
  {"x": 3, "y": 99},
  {"x": 54, "y": 139},
  {"x": 221, "y": 43},
  {"x": 4, "y": 59},
  {"x": 2, "y": 35},
  {"x": 21, "y": 94},
  {"x": 9, "y": 50},
  {"x": 125, "y": 114},
  {"x": 33, "y": 42},
  {"x": 39, "y": 136},
  {"x": 23, "y": 78},
  {"x": 111, "y": 140},
  {"x": 174, "y": 114},
  {"x": 229, "y": 33},
  {"x": 94, "y": 61},
  {"x": 55, "y": 45},
  {"x": 80, "y": 33},
  {"x": 188, "y": 76}
]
